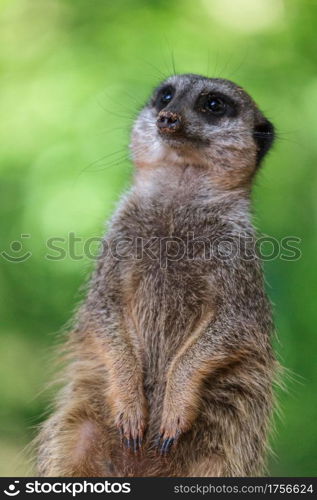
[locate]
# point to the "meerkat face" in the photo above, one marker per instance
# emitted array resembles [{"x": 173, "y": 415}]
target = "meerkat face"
[{"x": 208, "y": 122}]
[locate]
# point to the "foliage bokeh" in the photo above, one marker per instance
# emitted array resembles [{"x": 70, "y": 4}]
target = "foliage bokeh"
[{"x": 73, "y": 75}]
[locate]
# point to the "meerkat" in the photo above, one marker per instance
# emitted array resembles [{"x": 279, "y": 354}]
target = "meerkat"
[{"x": 171, "y": 366}]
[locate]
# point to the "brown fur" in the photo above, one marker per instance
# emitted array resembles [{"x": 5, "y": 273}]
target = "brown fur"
[{"x": 173, "y": 348}]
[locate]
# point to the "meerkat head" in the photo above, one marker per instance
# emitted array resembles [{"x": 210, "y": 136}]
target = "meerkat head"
[{"x": 210, "y": 123}]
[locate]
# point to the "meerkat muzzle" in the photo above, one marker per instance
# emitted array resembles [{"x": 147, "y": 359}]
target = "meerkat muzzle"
[{"x": 168, "y": 122}]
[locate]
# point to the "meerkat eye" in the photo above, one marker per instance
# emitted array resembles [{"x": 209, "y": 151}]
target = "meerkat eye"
[
  {"x": 164, "y": 96},
  {"x": 215, "y": 105},
  {"x": 167, "y": 95}
]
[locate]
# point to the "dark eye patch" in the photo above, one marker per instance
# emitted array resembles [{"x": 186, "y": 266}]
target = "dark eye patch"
[
  {"x": 215, "y": 105},
  {"x": 163, "y": 97}
]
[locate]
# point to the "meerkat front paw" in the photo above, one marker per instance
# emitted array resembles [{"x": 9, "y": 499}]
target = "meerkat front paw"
[
  {"x": 175, "y": 421},
  {"x": 131, "y": 423}
]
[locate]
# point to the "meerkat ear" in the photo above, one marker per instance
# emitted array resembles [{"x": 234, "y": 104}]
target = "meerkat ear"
[{"x": 264, "y": 136}]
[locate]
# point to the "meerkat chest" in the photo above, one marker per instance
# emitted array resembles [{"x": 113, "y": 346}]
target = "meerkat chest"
[
  {"x": 165, "y": 305},
  {"x": 168, "y": 276}
]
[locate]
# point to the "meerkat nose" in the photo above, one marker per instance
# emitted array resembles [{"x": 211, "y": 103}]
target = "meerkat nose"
[{"x": 168, "y": 122}]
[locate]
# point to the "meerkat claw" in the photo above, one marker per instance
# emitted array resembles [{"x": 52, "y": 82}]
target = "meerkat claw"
[
  {"x": 133, "y": 444},
  {"x": 136, "y": 445},
  {"x": 127, "y": 442},
  {"x": 164, "y": 445},
  {"x": 167, "y": 445}
]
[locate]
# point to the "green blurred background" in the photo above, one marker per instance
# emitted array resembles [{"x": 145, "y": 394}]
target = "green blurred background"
[{"x": 73, "y": 75}]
